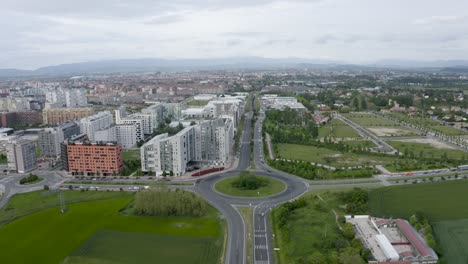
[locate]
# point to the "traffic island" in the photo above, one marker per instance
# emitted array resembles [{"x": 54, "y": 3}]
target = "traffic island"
[{"x": 250, "y": 185}]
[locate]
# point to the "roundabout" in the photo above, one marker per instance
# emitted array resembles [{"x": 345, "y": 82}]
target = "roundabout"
[{"x": 262, "y": 186}]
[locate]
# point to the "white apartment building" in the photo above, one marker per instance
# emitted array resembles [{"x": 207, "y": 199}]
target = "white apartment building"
[
  {"x": 71, "y": 98},
  {"x": 223, "y": 108},
  {"x": 156, "y": 111},
  {"x": 208, "y": 143},
  {"x": 126, "y": 136},
  {"x": 107, "y": 134},
  {"x": 142, "y": 122},
  {"x": 100, "y": 121}
]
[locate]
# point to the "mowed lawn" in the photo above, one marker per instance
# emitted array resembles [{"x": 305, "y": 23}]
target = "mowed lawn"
[
  {"x": 427, "y": 149},
  {"x": 49, "y": 237},
  {"x": 337, "y": 129},
  {"x": 371, "y": 120},
  {"x": 328, "y": 156},
  {"x": 453, "y": 238},
  {"x": 131, "y": 154},
  {"x": 439, "y": 201}
]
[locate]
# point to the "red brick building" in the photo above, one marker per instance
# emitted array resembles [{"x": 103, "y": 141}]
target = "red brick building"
[{"x": 91, "y": 158}]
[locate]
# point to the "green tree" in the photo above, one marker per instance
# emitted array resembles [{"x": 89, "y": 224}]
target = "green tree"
[{"x": 348, "y": 231}]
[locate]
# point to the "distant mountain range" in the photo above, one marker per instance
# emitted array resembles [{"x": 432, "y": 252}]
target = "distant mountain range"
[{"x": 151, "y": 65}]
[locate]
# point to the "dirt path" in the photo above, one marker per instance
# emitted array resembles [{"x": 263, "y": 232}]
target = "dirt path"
[{"x": 270, "y": 147}]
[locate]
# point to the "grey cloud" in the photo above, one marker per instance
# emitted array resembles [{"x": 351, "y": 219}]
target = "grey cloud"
[
  {"x": 233, "y": 42},
  {"x": 165, "y": 19},
  {"x": 325, "y": 39}
]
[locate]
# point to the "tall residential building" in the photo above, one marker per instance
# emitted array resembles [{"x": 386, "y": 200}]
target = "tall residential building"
[
  {"x": 126, "y": 136},
  {"x": 57, "y": 116},
  {"x": 51, "y": 138},
  {"x": 92, "y": 158},
  {"x": 142, "y": 122},
  {"x": 49, "y": 143},
  {"x": 208, "y": 143},
  {"x": 100, "y": 121},
  {"x": 21, "y": 155},
  {"x": 69, "y": 98},
  {"x": 156, "y": 111},
  {"x": 20, "y": 119}
]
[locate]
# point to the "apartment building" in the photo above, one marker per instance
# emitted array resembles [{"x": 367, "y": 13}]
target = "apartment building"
[
  {"x": 21, "y": 155},
  {"x": 83, "y": 157},
  {"x": 126, "y": 136},
  {"x": 50, "y": 139},
  {"x": 207, "y": 143},
  {"x": 57, "y": 116},
  {"x": 20, "y": 119},
  {"x": 100, "y": 121}
]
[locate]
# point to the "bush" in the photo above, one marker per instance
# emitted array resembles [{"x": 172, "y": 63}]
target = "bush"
[
  {"x": 163, "y": 202},
  {"x": 29, "y": 179},
  {"x": 46, "y": 187},
  {"x": 248, "y": 181}
]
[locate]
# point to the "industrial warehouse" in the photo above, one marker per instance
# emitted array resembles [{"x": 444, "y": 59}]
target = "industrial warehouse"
[{"x": 392, "y": 240}]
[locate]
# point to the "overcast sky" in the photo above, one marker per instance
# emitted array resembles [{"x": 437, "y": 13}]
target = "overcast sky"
[{"x": 46, "y": 32}]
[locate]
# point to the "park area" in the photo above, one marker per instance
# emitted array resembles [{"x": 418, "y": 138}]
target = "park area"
[
  {"x": 197, "y": 103},
  {"x": 95, "y": 230},
  {"x": 427, "y": 148},
  {"x": 380, "y": 126},
  {"x": 330, "y": 157},
  {"x": 337, "y": 129},
  {"x": 443, "y": 203},
  {"x": 428, "y": 123}
]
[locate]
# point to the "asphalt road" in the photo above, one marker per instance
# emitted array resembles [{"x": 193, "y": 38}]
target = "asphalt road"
[{"x": 10, "y": 184}]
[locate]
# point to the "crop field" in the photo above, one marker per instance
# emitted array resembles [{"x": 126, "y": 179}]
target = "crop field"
[
  {"x": 370, "y": 120},
  {"x": 444, "y": 203},
  {"x": 33, "y": 202},
  {"x": 438, "y": 201},
  {"x": 49, "y": 236},
  {"x": 453, "y": 238},
  {"x": 329, "y": 157},
  {"x": 107, "y": 246},
  {"x": 428, "y": 150}
]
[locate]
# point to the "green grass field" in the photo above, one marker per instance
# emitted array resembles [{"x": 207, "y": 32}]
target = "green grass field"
[
  {"x": 370, "y": 120},
  {"x": 438, "y": 201},
  {"x": 131, "y": 154},
  {"x": 428, "y": 151},
  {"x": 453, "y": 238},
  {"x": 49, "y": 237},
  {"x": 337, "y": 129},
  {"x": 429, "y": 123},
  {"x": 449, "y": 131},
  {"x": 33, "y": 202},
  {"x": 273, "y": 187},
  {"x": 197, "y": 103},
  {"x": 107, "y": 246},
  {"x": 328, "y": 156}
]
